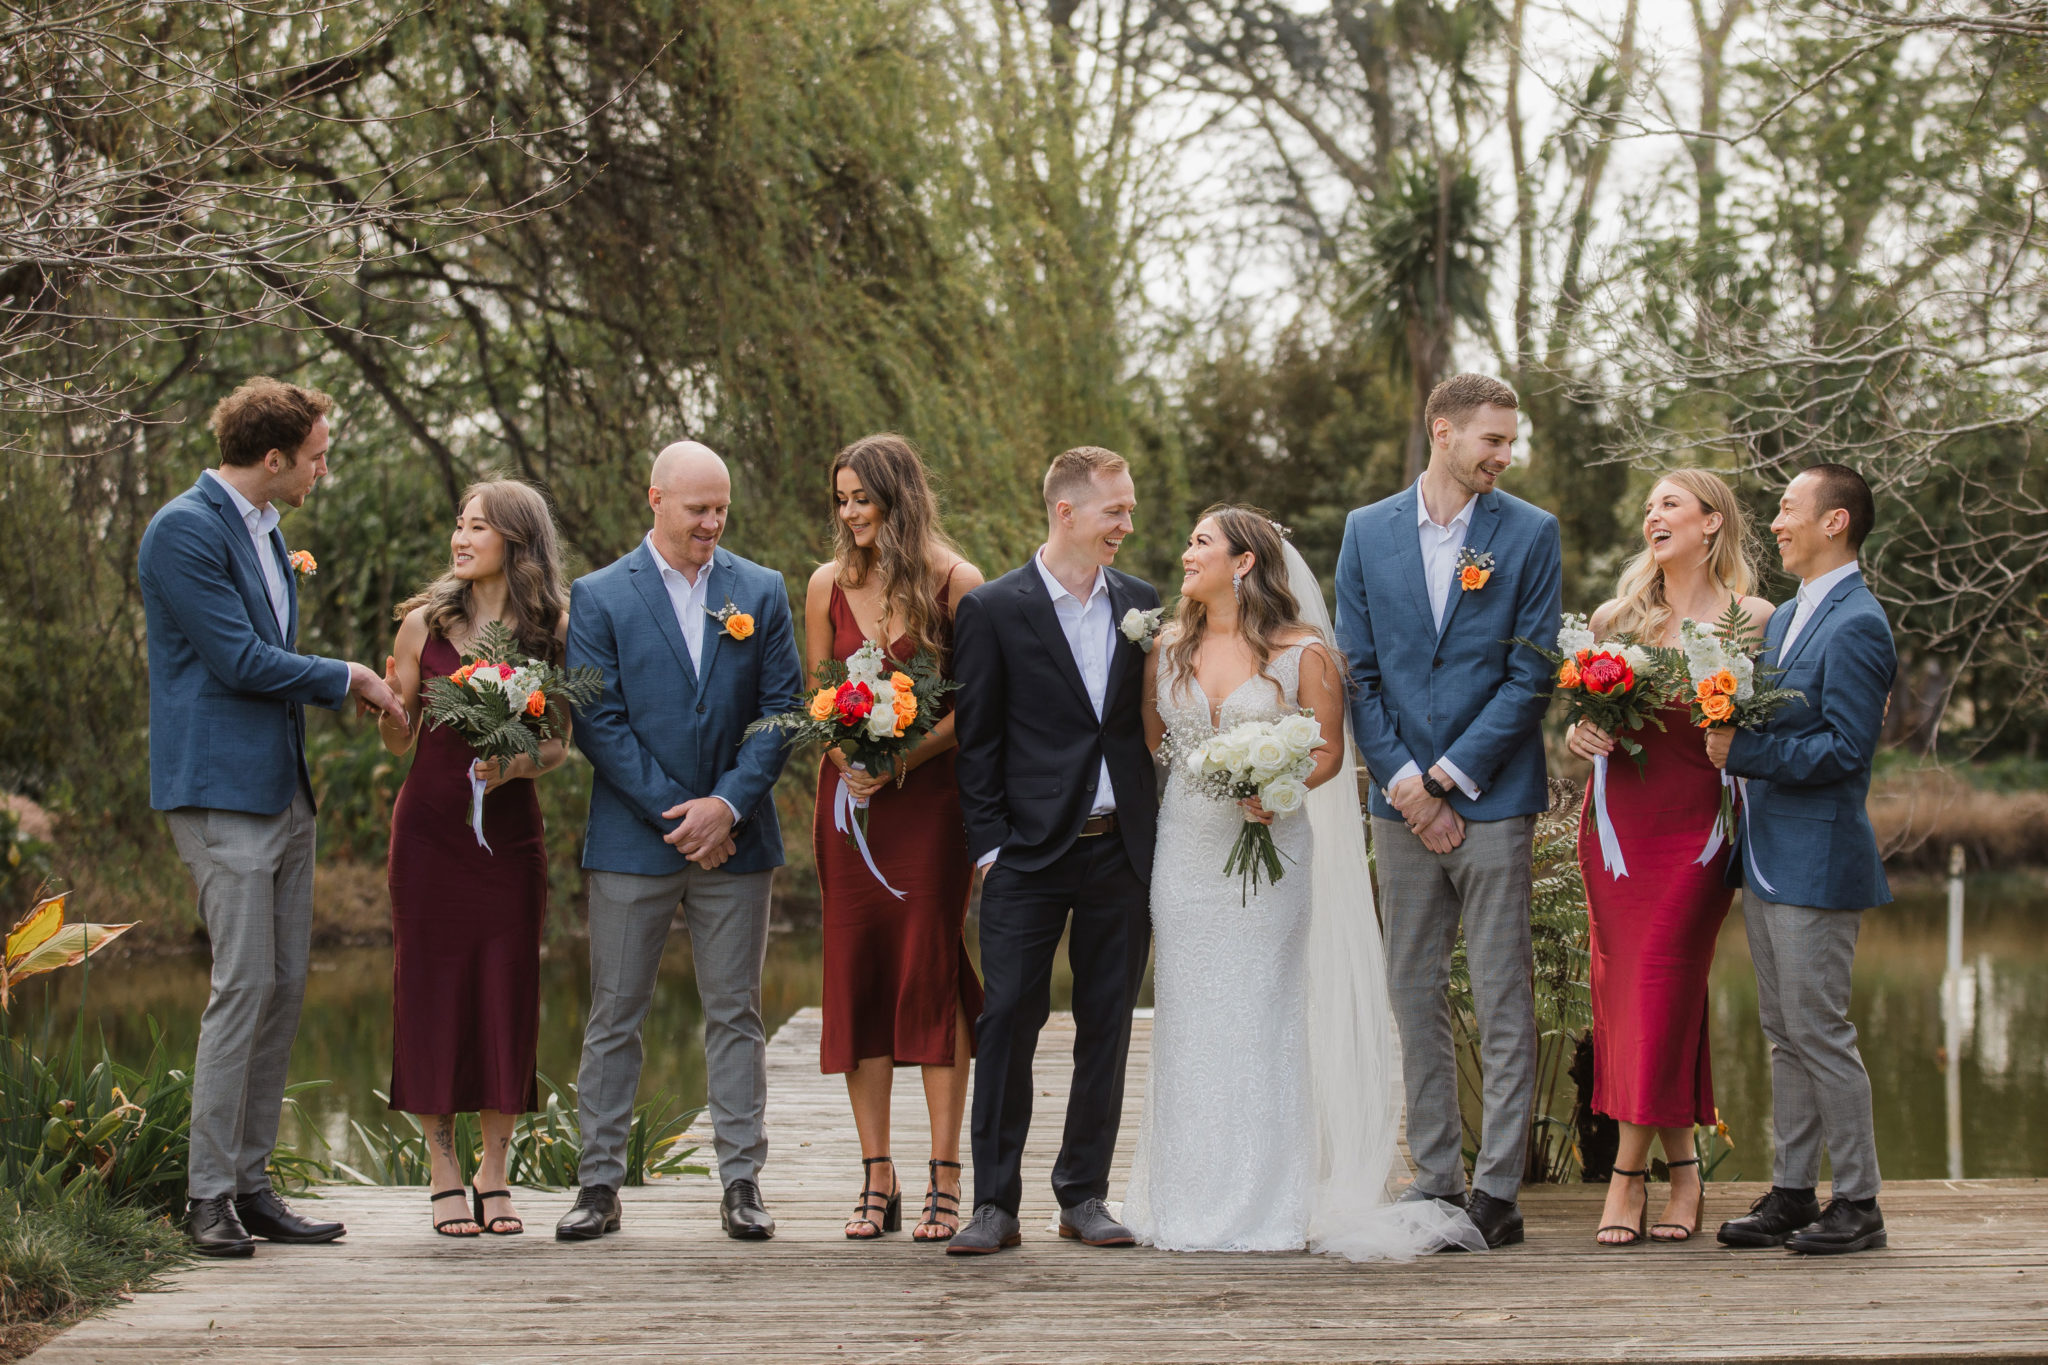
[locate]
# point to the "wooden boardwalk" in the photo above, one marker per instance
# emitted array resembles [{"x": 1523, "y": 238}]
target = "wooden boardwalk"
[{"x": 1966, "y": 1279}]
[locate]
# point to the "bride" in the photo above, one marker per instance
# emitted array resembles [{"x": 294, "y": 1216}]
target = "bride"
[{"x": 1272, "y": 1104}]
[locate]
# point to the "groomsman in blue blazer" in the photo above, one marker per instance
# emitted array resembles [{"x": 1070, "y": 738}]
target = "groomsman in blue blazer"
[
  {"x": 1433, "y": 584},
  {"x": 695, "y": 644},
  {"x": 227, "y": 766},
  {"x": 1809, "y": 865}
]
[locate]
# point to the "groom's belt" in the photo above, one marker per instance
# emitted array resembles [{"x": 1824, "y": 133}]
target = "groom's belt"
[{"x": 1095, "y": 826}]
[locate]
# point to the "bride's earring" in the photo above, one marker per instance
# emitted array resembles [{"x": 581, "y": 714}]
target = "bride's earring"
[{"x": 1237, "y": 585}]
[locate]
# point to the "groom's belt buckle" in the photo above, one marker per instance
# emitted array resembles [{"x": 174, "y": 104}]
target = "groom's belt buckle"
[{"x": 1095, "y": 826}]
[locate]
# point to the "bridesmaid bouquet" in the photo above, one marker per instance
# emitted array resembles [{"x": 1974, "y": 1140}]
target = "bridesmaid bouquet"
[
  {"x": 873, "y": 711},
  {"x": 1729, "y": 688},
  {"x": 1267, "y": 759},
  {"x": 503, "y": 705}
]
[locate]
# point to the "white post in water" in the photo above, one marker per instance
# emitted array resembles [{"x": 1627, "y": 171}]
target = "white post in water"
[{"x": 1952, "y": 988}]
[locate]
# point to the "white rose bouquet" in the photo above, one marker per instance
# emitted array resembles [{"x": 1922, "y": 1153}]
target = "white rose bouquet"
[{"x": 1269, "y": 760}]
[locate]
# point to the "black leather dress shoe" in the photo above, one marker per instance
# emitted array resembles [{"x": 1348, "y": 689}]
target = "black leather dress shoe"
[
  {"x": 268, "y": 1217},
  {"x": 989, "y": 1231},
  {"x": 1776, "y": 1215},
  {"x": 595, "y": 1212},
  {"x": 743, "y": 1215},
  {"x": 215, "y": 1230},
  {"x": 1841, "y": 1227},
  {"x": 1499, "y": 1220}
]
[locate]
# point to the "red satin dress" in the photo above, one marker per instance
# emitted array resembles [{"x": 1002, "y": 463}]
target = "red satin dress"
[
  {"x": 465, "y": 931},
  {"x": 896, "y": 972},
  {"x": 1653, "y": 931}
]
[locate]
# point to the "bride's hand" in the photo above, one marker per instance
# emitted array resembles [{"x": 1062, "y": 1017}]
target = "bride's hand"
[
  {"x": 1588, "y": 740},
  {"x": 1255, "y": 812}
]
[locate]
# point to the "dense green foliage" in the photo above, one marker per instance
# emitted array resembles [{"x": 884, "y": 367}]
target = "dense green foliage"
[{"x": 63, "y": 1261}]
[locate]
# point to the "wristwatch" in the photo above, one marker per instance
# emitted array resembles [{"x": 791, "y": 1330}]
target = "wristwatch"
[{"x": 1435, "y": 788}]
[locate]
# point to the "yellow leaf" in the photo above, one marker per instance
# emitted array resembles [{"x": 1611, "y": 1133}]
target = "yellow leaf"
[
  {"x": 34, "y": 927},
  {"x": 67, "y": 947}
]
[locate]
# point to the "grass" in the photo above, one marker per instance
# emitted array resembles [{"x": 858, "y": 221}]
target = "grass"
[
  {"x": 60, "y": 1263},
  {"x": 1997, "y": 820}
]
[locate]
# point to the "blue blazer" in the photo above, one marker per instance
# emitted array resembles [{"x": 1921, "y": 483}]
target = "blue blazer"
[
  {"x": 660, "y": 734},
  {"x": 1463, "y": 693},
  {"x": 1805, "y": 828},
  {"x": 226, "y": 690}
]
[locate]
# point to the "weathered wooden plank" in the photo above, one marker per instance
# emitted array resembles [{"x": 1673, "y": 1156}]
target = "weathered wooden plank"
[{"x": 1966, "y": 1278}]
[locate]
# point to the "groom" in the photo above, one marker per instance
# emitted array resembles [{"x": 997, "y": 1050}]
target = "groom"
[
  {"x": 1057, "y": 789},
  {"x": 1432, "y": 586},
  {"x": 1810, "y": 866},
  {"x": 695, "y": 644}
]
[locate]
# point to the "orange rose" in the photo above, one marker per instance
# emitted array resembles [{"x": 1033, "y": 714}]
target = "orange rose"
[
  {"x": 461, "y": 675},
  {"x": 1724, "y": 682},
  {"x": 1719, "y": 708},
  {"x": 903, "y": 683},
  {"x": 739, "y": 625},
  {"x": 1472, "y": 578},
  {"x": 303, "y": 561},
  {"x": 1568, "y": 675},
  {"x": 536, "y": 703},
  {"x": 823, "y": 703}
]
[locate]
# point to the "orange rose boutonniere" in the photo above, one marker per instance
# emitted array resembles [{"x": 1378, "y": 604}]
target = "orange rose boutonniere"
[
  {"x": 302, "y": 561},
  {"x": 735, "y": 623},
  {"x": 1473, "y": 570}
]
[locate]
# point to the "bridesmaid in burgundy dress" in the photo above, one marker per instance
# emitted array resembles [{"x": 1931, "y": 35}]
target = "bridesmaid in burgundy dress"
[
  {"x": 899, "y": 988},
  {"x": 466, "y": 922},
  {"x": 1653, "y": 930}
]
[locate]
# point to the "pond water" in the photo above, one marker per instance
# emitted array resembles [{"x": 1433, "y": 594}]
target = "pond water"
[{"x": 1958, "y": 1060}]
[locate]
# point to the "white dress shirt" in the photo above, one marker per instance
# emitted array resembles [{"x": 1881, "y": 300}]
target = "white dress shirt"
[
  {"x": 691, "y": 608},
  {"x": 1440, "y": 547},
  {"x": 1812, "y": 593},
  {"x": 261, "y": 521}
]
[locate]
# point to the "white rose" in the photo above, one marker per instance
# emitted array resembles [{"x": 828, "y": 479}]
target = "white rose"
[
  {"x": 1134, "y": 625},
  {"x": 1636, "y": 657},
  {"x": 1300, "y": 733},
  {"x": 1283, "y": 796},
  {"x": 1269, "y": 753}
]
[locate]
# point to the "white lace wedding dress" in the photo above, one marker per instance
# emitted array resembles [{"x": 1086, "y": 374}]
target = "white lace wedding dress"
[{"x": 1273, "y": 1099}]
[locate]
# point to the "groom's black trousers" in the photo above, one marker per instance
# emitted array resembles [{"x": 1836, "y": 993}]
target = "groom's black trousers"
[{"x": 1022, "y": 917}]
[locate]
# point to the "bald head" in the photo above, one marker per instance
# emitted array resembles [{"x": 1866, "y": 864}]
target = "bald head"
[{"x": 690, "y": 492}]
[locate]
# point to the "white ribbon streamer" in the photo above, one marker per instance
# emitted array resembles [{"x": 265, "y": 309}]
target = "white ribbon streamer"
[
  {"x": 1748, "y": 850},
  {"x": 844, "y": 806},
  {"x": 1610, "y": 843},
  {"x": 1716, "y": 835},
  {"x": 476, "y": 805}
]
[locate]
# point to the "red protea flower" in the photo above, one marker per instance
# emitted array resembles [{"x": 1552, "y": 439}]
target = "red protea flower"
[
  {"x": 1606, "y": 674},
  {"x": 853, "y": 702}
]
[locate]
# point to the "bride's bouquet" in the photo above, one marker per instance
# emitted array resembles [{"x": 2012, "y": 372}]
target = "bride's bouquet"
[
  {"x": 503, "y": 704},
  {"x": 1267, "y": 759},
  {"x": 873, "y": 711},
  {"x": 1729, "y": 688}
]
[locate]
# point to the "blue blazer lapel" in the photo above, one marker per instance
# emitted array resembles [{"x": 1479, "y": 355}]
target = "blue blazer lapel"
[
  {"x": 243, "y": 550},
  {"x": 1407, "y": 545},
  {"x": 1037, "y": 608},
  {"x": 716, "y": 594},
  {"x": 646, "y": 577},
  {"x": 1820, "y": 614},
  {"x": 1774, "y": 633},
  {"x": 1478, "y": 535}
]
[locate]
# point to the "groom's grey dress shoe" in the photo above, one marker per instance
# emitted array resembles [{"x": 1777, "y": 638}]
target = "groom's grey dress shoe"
[
  {"x": 1415, "y": 1194},
  {"x": 595, "y": 1212},
  {"x": 989, "y": 1231},
  {"x": 1499, "y": 1220},
  {"x": 1089, "y": 1223},
  {"x": 743, "y": 1215}
]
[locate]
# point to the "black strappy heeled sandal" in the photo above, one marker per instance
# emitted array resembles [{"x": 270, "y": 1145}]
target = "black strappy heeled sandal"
[
  {"x": 1635, "y": 1234},
  {"x": 892, "y": 1207},
  {"x": 1685, "y": 1234},
  {"x": 444, "y": 1224},
  {"x": 932, "y": 1212},
  {"x": 490, "y": 1225}
]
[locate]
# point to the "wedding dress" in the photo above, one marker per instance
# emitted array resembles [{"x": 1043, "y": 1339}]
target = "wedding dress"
[{"x": 1273, "y": 1099}]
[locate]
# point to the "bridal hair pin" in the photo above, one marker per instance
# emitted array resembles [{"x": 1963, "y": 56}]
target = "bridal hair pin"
[{"x": 1284, "y": 532}]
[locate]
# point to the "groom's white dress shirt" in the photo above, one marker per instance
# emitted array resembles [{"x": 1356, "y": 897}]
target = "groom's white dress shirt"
[
  {"x": 261, "y": 521},
  {"x": 1811, "y": 594},
  {"x": 1440, "y": 547},
  {"x": 690, "y": 605},
  {"x": 1090, "y": 628}
]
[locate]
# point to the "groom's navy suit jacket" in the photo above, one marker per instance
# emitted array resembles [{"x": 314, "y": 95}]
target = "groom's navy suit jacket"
[
  {"x": 227, "y": 728},
  {"x": 1805, "y": 827},
  {"x": 662, "y": 733},
  {"x": 1464, "y": 692}
]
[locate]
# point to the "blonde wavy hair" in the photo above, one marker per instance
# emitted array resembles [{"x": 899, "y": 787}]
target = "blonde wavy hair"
[{"x": 1640, "y": 610}]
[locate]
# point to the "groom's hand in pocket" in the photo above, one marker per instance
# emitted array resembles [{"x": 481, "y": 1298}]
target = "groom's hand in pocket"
[{"x": 706, "y": 823}]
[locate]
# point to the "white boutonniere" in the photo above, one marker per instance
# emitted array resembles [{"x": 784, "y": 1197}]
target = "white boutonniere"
[
  {"x": 1142, "y": 628},
  {"x": 1474, "y": 569}
]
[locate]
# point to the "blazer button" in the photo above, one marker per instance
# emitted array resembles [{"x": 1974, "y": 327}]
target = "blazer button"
[
  {"x": 1436, "y": 663},
  {"x": 700, "y": 708}
]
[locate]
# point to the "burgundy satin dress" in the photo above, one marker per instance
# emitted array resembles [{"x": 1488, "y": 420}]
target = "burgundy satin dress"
[
  {"x": 1653, "y": 931},
  {"x": 465, "y": 931},
  {"x": 896, "y": 972}
]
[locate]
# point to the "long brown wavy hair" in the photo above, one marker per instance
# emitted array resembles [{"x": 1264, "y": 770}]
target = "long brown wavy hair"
[
  {"x": 909, "y": 542},
  {"x": 1266, "y": 609},
  {"x": 536, "y": 596},
  {"x": 1640, "y": 609}
]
